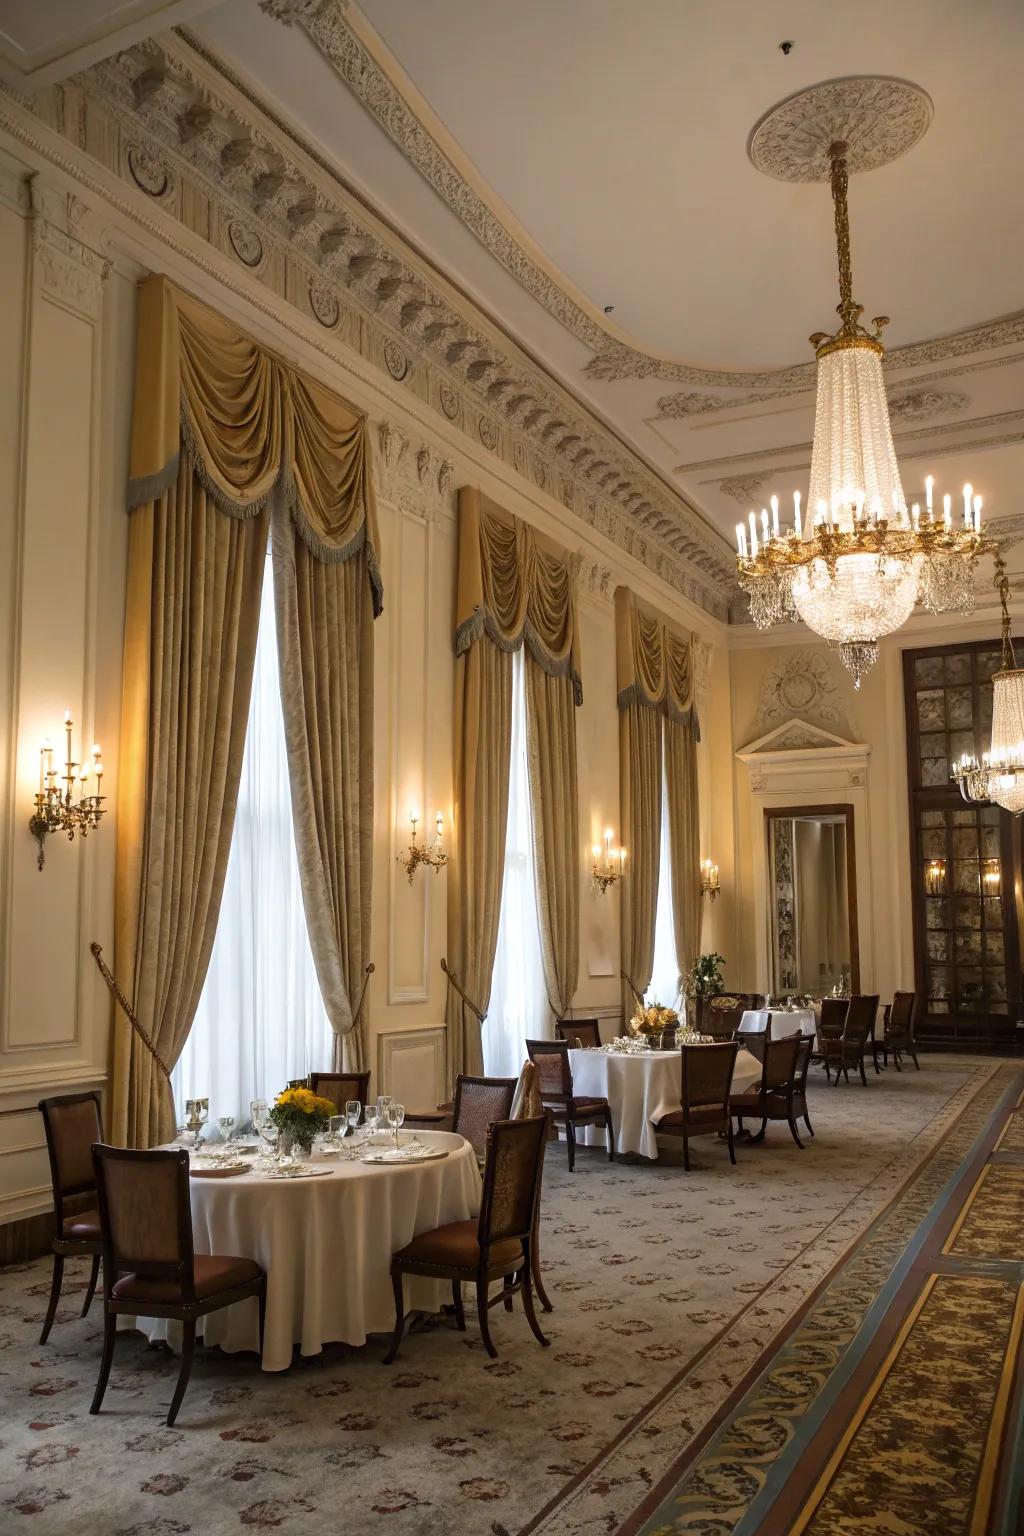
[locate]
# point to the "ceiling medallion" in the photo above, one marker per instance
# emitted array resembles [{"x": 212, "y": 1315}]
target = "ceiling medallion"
[
  {"x": 877, "y": 118},
  {"x": 324, "y": 305},
  {"x": 854, "y": 567},
  {"x": 147, "y": 171},
  {"x": 245, "y": 243}
]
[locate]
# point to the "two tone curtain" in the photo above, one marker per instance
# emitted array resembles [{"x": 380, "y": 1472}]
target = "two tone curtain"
[
  {"x": 658, "y": 734},
  {"x": 513, "y": 589},
  {"x": 227, "y": 440}
]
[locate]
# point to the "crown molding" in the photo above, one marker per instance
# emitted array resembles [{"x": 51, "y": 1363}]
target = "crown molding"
[
  {"x": 367, "y": 67},
  {"x": 178, "y": 134}
]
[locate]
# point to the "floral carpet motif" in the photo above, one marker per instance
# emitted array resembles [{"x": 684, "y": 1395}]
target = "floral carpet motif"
[
  {"x": 993, "y": 1225},
  {"x": 667, "y": 1289}
]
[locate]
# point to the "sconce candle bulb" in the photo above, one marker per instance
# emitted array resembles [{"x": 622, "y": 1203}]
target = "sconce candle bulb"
[
  {"x": 709, "y": 881},
  {"x": 612, "y": 867}
]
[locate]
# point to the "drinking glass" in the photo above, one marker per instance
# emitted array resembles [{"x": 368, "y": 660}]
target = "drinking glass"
[
  {"x": 226, "y": 1124},
  {"x": 352, "y": 1112},
  {"x": 396, "y": 1114},
  {"x": 371, "y": 1120},
  {"x": 336, "y": 1130},
  {"x": 383, "y": 1100}
]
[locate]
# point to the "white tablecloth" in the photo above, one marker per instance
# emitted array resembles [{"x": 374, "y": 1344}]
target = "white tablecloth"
[
  {"x": 800, "y": 1021},
  {"x": 639, "y": 1089},
  {"x": 326, "y": 1245}
]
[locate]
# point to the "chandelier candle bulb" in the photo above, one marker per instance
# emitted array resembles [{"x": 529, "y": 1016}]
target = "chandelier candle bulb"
[
  {"x": 977, "y": 514},
  {"x": 775, "y": 516},
  {"x": 915, "y": 516},
  {"x": 797, "y": 529},
  {"x": 929, "y": 481}
]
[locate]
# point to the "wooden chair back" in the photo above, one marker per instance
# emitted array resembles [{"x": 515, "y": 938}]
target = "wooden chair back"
[
  {"x": 71, "y": 1123},
  {"x": 833, "y": 1017},
  {"x": 860, "y": 1020},
  {"x": 479, "y": 1102},
  {"x": 554, "y": 1070},
  {"x": 340, "y": 1087},
  {"x": 899, "y": 1015},
  {"x": 720, "y": 1015},
  {"x": 707, "y": 1075},
  {"x": 512, "y": 1172},
  {"x": 779, "y": 1065},
  {"x": 579, "y": 1033},
  {"x": 146, "y": 1217}
]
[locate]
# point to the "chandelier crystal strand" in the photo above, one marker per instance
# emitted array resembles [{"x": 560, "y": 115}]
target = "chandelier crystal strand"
[
  {"x": 857, "y": 564},
  {"x": 999, "y": 776}
]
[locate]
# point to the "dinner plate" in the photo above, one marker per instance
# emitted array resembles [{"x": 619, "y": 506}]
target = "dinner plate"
[
  {"x": 391, "y": 1158},
  {"x": 297, "y": 1171},
  {"x": 219, "y": 1171}
]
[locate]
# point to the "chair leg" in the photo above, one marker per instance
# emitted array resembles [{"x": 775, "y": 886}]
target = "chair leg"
[
  {"x": 531, "y": 1316},
  {"x": 507, "y": 1292},
  {"x": 807, "y": 1121},
  {"x": 106, "y": 1360},
  {"x": 795, "y": 1133},
  {"x": 460, "y": 1315},
  {"x": 732, "y": 1143},
  {"x": 55, "y": 1285},
  {"x": 188, "y": 1349},
  {"x": 262, "y": 1297},
  {"x": 862, "y": 1076},
  {"x": 91, "y": 1287},
  {"x": 611, "y": 1138},
  {"x": 686, "y": 1152},
  {"x": 535, "y": 1275},
  {"x": 481, "y": 1313},
  {"x": 396, "y": 1283},
  {"x": 759, "y": 1135},
  {"x": 913, "y": 1057},
  {"x": 570, "y": 1142}
]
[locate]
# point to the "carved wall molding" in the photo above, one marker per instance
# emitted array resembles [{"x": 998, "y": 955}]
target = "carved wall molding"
[
  {"x": 416, "y": 481},
  {"x": 231, "y": 165},
  {"x": 742, "y": 488},
  {"x": 806, "y": 683},
  {"x": 68, "y": 269},
  {"x": 364, "y": 65},
  {"x": 924, "y": 404},
  {"x": 595, "y": 580},
  {"x": 694, "y": 403}
]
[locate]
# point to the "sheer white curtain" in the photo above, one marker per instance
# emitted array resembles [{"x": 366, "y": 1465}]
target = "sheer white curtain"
[
  {"x": 261, "y": 1019},
  {"x": 519, "y": 1007},
  {"x": 664, "y": 987}
]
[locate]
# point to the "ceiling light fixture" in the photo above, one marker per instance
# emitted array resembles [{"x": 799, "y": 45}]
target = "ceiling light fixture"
[
  {"x": 854, "y": 566},
  {"x": 999, "y": 776}
]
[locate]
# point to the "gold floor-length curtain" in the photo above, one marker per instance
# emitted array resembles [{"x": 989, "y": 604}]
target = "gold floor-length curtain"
[
  {"x": 656, "y": 682},
  {"x": 683, "y": 838},
  {"x": 221, "y": 429},
  {"x": 195, "y": 578},
  {"x": 512, "y": 589}
]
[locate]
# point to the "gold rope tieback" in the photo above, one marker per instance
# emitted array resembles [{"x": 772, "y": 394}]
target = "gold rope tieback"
[
  {"x": 467, "y": 1000},
  {"x": 105, "y": 972},
  {"x": 362, "y": 996}
]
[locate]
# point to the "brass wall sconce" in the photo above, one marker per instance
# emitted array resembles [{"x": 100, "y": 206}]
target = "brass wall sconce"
[
  {"x": 62, "y": 802},
  {"x": 432, "y": 854},
  {"x": 991, "y": 878},
  {"x": 710, "y": 884},
  {"x": 935, "y": 878},
  {"x": 613, "y": 866}
]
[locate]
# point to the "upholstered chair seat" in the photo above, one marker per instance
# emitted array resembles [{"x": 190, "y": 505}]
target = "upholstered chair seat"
[
  {"x": 457, "y": 1244},
  {"x": 213, "y": 1273},
  {"x": 83, "y": 1228}
]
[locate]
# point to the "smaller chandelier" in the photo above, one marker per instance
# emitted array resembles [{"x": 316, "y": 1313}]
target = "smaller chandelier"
[
  {"x": 62, "y": 803},
  {"x": 999, "y": 776}
]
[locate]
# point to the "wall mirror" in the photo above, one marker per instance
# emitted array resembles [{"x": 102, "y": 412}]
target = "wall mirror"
[{"x": 812, "y": 899}]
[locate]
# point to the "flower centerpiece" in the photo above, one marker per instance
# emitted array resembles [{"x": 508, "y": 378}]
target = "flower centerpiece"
[
  {"x": 652, "y": 1022},
  {"x": 299, "y": 1115}
]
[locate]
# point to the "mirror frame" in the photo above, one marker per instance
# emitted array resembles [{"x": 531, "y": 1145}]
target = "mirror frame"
[{"x": 834, "y": 810}]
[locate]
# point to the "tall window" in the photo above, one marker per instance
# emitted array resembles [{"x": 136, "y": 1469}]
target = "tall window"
[
  {"x": 664, "y": 987},
  {"x": 261, "y": 1019},
  {"x": 966, "y": 945},
  {"x": 518, "y": 1008}
]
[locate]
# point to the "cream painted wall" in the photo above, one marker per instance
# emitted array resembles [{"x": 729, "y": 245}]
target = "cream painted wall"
[{"x": 68, "y": 272}]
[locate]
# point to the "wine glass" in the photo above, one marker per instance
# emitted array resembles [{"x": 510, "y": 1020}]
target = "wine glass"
[
  {"x": 396, "y": 1114},
  {"x": 352, "y": 1112},
  {"x": 226, "y": 1126},
  {"x": 372, "y": 1119}
]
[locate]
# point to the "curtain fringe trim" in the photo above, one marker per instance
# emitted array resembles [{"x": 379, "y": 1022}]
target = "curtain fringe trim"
[
  {"x": 231, "y": 506},
  {"x": 149, "y": 488},
  {"x": 636, "y": 694},
  {"x": 335, "y": 554},
  {"x": 482, "y": 621}
]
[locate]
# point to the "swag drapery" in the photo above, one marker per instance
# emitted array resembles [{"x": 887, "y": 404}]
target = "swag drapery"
[
  {"x": 227, "y": 439},
  {"x": 513, "y": 589},
  {"x": 657, "y": 715}
]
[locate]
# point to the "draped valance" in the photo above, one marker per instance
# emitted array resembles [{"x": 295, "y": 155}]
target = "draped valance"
[
  {"x": 654, "y": 662},
  {"x": 250, "y": 425},
  {"x": 516, "y": 588}
]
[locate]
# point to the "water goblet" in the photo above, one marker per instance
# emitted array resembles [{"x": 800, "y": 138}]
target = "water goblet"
[
  {"x": 352, "y": 1112},
  {"x": 372, "y": 1118},
  {"x": 396, "y": 1114},
  {"x": 226, "y": 1125}
]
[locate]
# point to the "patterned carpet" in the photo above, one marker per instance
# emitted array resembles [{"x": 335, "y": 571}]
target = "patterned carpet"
[{"x": 668, "y": 1290}]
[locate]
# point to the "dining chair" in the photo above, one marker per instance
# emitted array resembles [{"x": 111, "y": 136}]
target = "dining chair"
[
  {"x": 804, "y": 1051},
  {"x": 773, "y": 1097},
  {"x": 496, "y": 1246},
  {"x": 554, "y": 1076},
  {"x": 146, "y": 1222},
  {"x": 706, "y": 1080},
  {"x": 720, "y": 1015},
  {"x": 582, "y": 1034},
  {"x": 839, "y": 1055},
  {"x": 340, "y": 1087},
  {"x": 71, "y": 1123},
  {"x": 898, "y": 1029},
  {"x": 527, "y": 1105}
]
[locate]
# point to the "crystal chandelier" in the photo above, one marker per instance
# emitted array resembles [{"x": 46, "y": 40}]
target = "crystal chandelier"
[
  {"x": 854, "y": 567},
  {"x": 999, "y": 777}
]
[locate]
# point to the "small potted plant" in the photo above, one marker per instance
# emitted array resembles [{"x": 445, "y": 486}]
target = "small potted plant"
[{"x": 299, "y": 1115}]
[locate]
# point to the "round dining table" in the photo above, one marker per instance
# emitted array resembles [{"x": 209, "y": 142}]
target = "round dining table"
[
  {"x": 640, "y": 1087},
  {"x": 326, "y": 1243},
  {"x": 785, "y": 1022}
]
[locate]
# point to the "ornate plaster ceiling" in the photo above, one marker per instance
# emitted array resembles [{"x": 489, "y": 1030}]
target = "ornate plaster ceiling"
[{"x": 555, "y": 159}]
